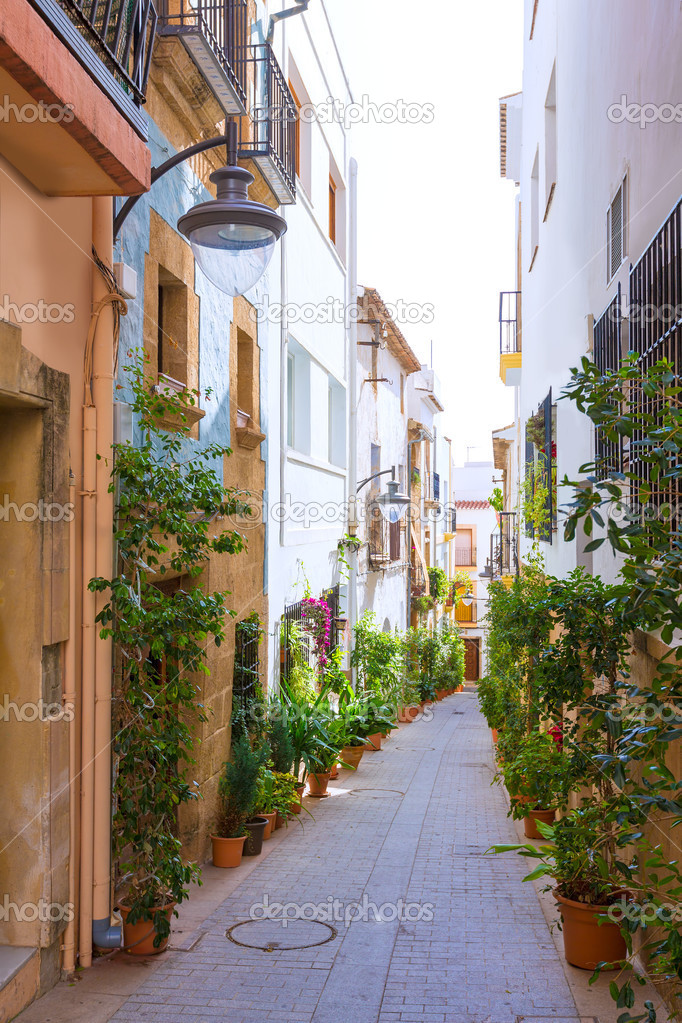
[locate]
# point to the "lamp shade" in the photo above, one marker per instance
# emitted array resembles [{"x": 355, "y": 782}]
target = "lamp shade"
[
  {"x": 232, "y": 238},
  {"x": 393, "y": 504}
]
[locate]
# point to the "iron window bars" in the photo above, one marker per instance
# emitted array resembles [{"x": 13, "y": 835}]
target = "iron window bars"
[
  {"x": 541, "y": 463},
  {"x": 607, "y": 351}
]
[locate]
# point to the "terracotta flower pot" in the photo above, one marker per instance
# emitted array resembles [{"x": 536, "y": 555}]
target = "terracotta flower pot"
[
  {"x": 586, "y": 940},
  {"x": 441, "y": 693},
  {"x": 255, "y": 829},
  {"x": 317, "y": 783},
  {"x": 351, "y": 756},
  {"x": 138, "y": 938},
  {"x": 227, "y": 852},
  {"x": 334, "y": 773},
  {"x": 270, "y": 826},
  {"x": 296, "y": 805},
  {"x": 373, "y": 742},
  {"x": 280, "y": 821},
  {"x": 495, "y": 735},
  {"x": 529, "y": 826}
]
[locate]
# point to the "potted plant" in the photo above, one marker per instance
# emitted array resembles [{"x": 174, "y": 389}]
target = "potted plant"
[
  {"x": 265, "y": 800},
  {"x": 580, "y": 858},
  {"x": 238, "y": 791},
  {"x": 538, "y": 778},
  {"x": 284, "y": 796}
]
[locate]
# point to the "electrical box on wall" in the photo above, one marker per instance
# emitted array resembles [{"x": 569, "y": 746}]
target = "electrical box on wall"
[{"x": 126, "y": 280}]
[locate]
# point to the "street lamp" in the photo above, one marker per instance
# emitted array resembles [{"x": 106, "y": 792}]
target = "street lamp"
[
  {"x": 232, "y": 237},
  {"x": 392, "y": 504}
]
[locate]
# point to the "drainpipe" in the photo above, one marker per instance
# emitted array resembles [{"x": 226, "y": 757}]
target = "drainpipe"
[
  {"x": 352, "y": 393},
  {"x": 104, "y": 935},
  {"x": 97, "y": 558},
  {"x": 70, "y": 700}
]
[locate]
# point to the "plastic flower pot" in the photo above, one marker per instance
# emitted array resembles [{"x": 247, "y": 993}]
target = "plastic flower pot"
[
  {"x": 529, "y": 823},
  {"x": 295, "y": 807},
  {"x": 255, "y": 831},
  {"x": 587, "y": 941},
  {"x": 351, "y": 756},
  {"x": 317, "y": 784},
  {"x": 138, "y": 938},
  {"x": 270, "y": 826},
  {"x": 227, "y": 852}
]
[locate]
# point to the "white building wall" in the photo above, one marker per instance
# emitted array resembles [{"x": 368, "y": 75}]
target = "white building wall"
[
  {"x": 601, "y": 53},
  {"x": 307, "y": 479}
]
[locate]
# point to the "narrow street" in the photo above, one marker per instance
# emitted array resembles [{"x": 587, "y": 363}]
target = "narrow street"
[{"x": 412, "y": 825}]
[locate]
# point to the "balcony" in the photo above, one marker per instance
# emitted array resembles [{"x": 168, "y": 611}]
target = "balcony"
[
  {"x": 269, "y": 136},
  {"x": 503, "y": 547},
  {"x": 113, "y": 41},
  {"x": 431, "y": 491},
  {"x": 510, "y": 338},
  {"x": 465, "y": 557},
  {"x": 215, "y": 35},
  {"x": 465, "y": 614}
]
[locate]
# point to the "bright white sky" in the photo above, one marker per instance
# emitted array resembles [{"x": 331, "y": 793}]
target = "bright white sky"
[{"x": 436, "y": 221}]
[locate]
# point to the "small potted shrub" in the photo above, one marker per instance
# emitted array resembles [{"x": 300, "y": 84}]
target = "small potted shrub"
[
  {"x": 238, "y": 791},
  {"x": 580, "y": 858},
  {"x": 284, "y": 796},
  {"x": 538, "y": 778},
  {"x": 265, "y": 800}
]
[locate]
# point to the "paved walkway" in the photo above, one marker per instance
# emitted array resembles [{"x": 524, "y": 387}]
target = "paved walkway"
[{"x": 411, "y": 825}]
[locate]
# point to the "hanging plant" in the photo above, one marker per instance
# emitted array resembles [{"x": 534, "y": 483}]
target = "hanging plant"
[{"x": 317, "y": 618}]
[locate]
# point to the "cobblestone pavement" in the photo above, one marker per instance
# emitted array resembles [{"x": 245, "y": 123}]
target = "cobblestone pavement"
[{"x": 411, "y": 825}]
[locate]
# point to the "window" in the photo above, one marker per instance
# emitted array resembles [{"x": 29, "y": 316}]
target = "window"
[
  {"x": 616, "y": 221},
  {"x": 172, "y": 328},
  {"x": 550, "y": 142},
  {"x": 297, "y": 131},
  {"x": 336, "y": 419},
  {"x": 465, "y": 552},
  {"x": 247, "y": 374},
  {"x": 541, "y": 468},
  {"x": 534, "y": 209},
  {"x": 298, "y": 398},
  {"x": 291, "y": 395},
  {"x": 332, "y": 209},
  {"x": 607, "y": 349}
]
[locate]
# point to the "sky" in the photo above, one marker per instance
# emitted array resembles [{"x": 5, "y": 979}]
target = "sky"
[{"x": 436, "y": 221}]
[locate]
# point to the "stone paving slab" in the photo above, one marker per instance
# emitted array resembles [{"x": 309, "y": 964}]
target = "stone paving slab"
[{"x": 481, "y": 954}]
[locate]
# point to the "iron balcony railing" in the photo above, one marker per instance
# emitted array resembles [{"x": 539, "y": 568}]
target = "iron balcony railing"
[
  {"x": 510, "y": 322},
  {"x": 503, "y": 546},
  {"x": 269, "y": 138},
  {"x": 120, "y": 32},
  {"x": 216, "y": 34},
  {"x": 465, "y": 556}
]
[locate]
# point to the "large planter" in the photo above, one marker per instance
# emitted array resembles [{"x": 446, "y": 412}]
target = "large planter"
[
  {"x": 351, "y": 756},
  {"x": 373, "y": 742},
  {"x": 255, "y": 832},
  {"x": 270, "y": 826},
  {"x": 586, "y": 940},
  {"x": 296, "y": 805},
  {"x": 409, "y": 713},
  {"x": 138, "y": 938},
  {"x": 317, "y": 784},
  {"x": 529, "y": 823},
  {"x": 227, "y": 852}
]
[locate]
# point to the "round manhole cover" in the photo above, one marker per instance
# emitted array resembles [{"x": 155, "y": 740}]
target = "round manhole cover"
[
  {"x": 377, "y": 793},
  {"x": 280, "y": 935}
]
